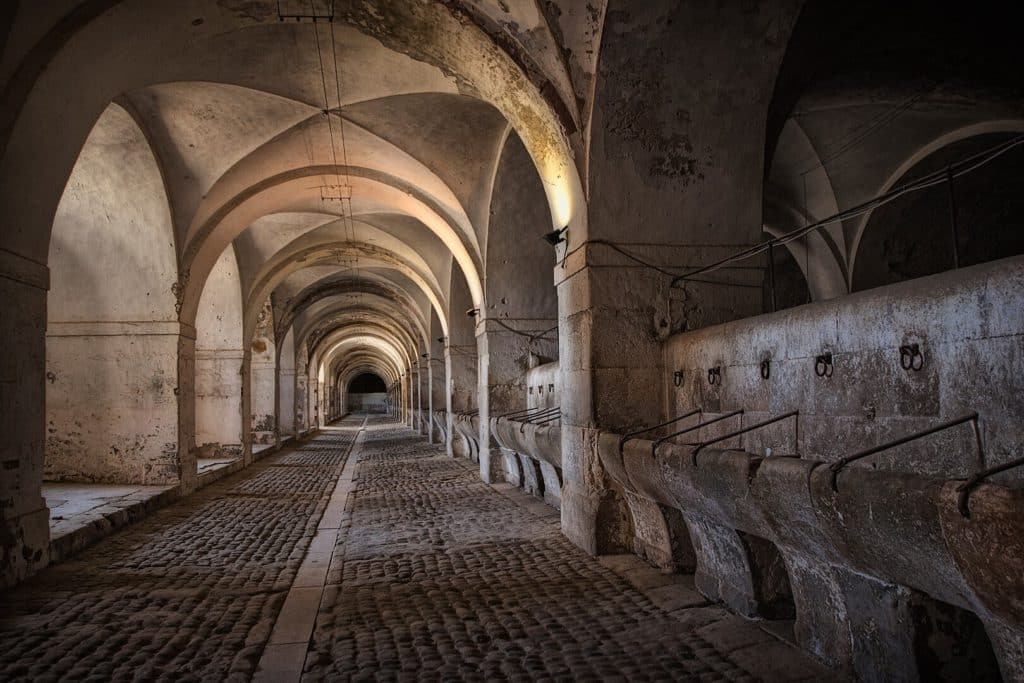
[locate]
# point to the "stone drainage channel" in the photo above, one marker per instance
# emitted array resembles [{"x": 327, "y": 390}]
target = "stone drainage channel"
[{"x": 285, "y": 654}]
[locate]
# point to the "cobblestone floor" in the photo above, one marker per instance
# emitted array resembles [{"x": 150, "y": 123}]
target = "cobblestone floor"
[
  {"x": 188, "y": 594},
  {"x": 437, "y": 577}
]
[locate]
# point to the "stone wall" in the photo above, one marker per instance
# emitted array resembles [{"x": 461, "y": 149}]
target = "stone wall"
[
  {"x": 542, "y": 384},
  {"x": 104, "y": 382},
  {"x": 374, "y": 403},
  {"x": 968, "y": 326}
]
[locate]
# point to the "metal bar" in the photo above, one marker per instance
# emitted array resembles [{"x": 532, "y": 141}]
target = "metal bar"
[
  {"x": 557, "y": 412},
  {"x": 700, "y": 446},
  {"x": 527, "y": 414},
  {"x": 654, "y": 447},
  {"x": 952, "y": 217},
  {"x": 843, "y": 462},
  {"x": 544, "y": 413},
  {"x": 631, "y": 435},
  {"x": 965, "y": 489},
  {"x": 521, "y": 411},
  {"x": 550, "y": 419}
]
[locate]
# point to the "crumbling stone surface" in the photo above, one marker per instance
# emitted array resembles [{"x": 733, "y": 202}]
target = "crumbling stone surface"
[{"x": 188, "y": 594}]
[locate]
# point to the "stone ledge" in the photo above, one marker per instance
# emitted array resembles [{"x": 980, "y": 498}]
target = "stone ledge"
[{"x": 110, "y": 518}]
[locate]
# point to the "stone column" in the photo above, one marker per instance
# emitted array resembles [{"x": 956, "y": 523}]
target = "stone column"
[
  {"x": 504, "y": 357},
  {"x": 429, "y": 419},
  {"x": 24, "y": 517}
]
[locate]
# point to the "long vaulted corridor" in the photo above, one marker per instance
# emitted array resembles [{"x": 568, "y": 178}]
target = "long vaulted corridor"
[
  {"x": 511, "y": 340},
  {"x": 433, "y": 577}
]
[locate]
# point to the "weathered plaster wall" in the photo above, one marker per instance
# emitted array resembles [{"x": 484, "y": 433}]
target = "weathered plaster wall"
[
  {"x": 542, "y": 386},
  {"x": 372, "y": 403},
  {"x": 219, "y": 357},
  {"x": 107, "y": 421},
  {"x": 461, "y": 346},
  {"x": 112, "y": 330}
]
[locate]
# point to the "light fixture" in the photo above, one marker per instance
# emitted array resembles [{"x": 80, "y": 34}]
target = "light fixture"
[
  {"x": 472, "y": 313},
  {"x": 440, "y": 340},
  {"x": 556, "y": 237}
]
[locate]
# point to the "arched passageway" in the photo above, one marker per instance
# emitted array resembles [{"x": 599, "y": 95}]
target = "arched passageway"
[
  {"x": 366, "y": 393},
  {"x": 399, "y": 294}
]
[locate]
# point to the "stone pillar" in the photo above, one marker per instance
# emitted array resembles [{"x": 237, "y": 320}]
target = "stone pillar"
[
  {"x": 301, "y": 393},
  {"x": 677, "y": 182},
  {"x": 429, "y": 420},
  {"x": 421, "y": 387},
  {"x": 24, "y": 517},
  {"x": 285, "y": 406},
  {"x": 449, "y": 387},
  {"x": 407, "y": 399},
  {"x": 186, "y": 393},
  {"x": 610, "y": 368},
  {"x": 504, "y": 358}
]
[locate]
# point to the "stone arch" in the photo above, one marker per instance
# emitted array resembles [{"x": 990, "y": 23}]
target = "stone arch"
[{"x": 988, "y": 130}]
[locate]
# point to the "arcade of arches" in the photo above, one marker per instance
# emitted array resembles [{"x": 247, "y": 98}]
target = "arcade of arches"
[{"x": 522, "y": 339}]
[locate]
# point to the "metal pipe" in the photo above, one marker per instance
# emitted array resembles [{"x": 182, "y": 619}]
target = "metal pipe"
[
  {"x": 726, "y": 416},
  {"x": 630, "y": 435},
  {"x": 699, "y": 447},
  {"x": 843, "y": 462}
]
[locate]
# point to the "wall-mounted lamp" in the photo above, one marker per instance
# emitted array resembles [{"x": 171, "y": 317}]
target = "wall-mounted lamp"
[
  {"x": 473, "y": 312},
  {"x": 556, "y": 237}
]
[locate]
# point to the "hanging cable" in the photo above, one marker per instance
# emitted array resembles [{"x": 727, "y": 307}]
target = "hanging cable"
[
  {"x": 327, "y": 102},
  {"x": 531, "y": 337},
  {"x": 344, "y": 143}
]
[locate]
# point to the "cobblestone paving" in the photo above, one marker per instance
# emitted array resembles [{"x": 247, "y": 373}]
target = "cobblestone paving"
[
  {"x": 189, "y": 594},
  {"x": 437, "y": 577}
]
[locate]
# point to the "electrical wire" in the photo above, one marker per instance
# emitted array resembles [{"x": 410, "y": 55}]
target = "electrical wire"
[{"x": 531, "y": 337}]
